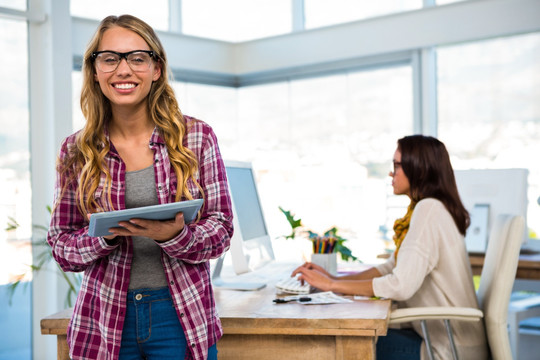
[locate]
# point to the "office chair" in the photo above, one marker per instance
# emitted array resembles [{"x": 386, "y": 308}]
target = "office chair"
[{"x": 496, "y": 283}]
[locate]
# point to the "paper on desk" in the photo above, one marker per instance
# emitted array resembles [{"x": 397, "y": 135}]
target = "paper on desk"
[{"x": 325, "y": 298}]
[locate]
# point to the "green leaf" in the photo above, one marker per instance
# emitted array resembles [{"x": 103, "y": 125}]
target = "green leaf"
[
  {"x": 290, "y": 218},
  {"x": 41, "y": 259},
  {"x": 294, "y": 223},
  {"x": 346, "y": 253},
  {"x": 12, "y": 287},
  {"x": 332, "y": 232},
  {"x": 12, "y": 224}
]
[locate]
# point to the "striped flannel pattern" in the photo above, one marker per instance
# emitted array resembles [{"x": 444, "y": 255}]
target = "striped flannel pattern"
[{"x": 95, "y": 330}]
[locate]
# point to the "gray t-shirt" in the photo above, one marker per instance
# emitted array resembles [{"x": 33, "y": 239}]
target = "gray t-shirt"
[{"x": 146, "y": 268}]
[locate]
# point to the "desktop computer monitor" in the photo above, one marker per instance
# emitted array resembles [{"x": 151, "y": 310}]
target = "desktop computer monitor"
[
  {"x": 487, "y": 193},
  {"x": 251, "y": 246}
]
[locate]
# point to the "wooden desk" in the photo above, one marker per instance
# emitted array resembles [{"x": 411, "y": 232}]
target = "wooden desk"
[
  {"x": 255, "y": 327},
  {"x": 528, "y": 266},
  {"x": 57, "y": 324}
]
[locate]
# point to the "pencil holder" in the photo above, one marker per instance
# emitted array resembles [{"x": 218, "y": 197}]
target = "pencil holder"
[{"x": 326, "y": 261}]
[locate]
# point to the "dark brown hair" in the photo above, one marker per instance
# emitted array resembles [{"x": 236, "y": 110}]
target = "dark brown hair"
[{"x": 426, "y": 163}]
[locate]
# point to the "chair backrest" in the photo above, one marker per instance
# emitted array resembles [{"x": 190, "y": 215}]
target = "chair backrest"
[{"x": 497, "y": 279}]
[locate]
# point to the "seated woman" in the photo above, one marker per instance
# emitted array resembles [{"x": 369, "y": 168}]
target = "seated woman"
[{"x": 429, "y": 267}]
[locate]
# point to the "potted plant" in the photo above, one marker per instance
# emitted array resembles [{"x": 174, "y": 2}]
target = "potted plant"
[
  {"x": 327, "y": 243},
  {"x": 44, "y": 256}
]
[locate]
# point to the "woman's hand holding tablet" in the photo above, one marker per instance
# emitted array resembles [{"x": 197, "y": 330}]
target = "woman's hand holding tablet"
[{"x": 100, "y": 223}]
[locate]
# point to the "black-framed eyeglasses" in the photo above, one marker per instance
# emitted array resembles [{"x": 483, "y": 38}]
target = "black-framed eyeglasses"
[
  {"x": 138, "y": 60},
  {"x": 396, "y": 165}
]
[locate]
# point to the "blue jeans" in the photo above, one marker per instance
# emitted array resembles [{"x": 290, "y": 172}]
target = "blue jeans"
[
  {"x": 399, "y": 344},
  {"x": 151, "y": 328}
]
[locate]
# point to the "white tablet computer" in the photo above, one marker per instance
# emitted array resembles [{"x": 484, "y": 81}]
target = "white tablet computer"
[{"x": 100, "y": 223}]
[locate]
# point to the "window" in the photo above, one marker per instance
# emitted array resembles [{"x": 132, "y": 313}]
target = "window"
[
  {"x": 339, "y": 140},
  {"x": 76, "y": 87},
  {"x": 215, "y": 105},
  {"x": 14, "y": 4},
  {"x": 321, "y": 147},
  {"x": 489, "y": 113},
  {"x": 15, "y": 192},
  {"x": 236, "y": 20},
  {"x": 156, "y": 14},
  {"x": 323, "y": 13}
]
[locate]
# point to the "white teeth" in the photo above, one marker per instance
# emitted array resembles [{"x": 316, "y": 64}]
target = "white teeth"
[{"x": 124, "y": 86}]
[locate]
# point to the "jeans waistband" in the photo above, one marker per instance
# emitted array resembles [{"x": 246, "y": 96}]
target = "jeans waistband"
[{"x": 148, "y": 295}]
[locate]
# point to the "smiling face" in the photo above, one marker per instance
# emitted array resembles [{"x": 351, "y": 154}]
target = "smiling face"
[
  {"x": 125, "y": 87},
  {"x": 400, "y": 182}
]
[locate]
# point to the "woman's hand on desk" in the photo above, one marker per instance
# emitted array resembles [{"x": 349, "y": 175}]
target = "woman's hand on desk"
[
  {"x": 312, "y": 266},
  {"x": 315, "y": 275}
]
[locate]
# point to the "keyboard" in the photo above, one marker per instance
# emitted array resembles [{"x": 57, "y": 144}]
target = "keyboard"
[{"x": 293, "y": 286}]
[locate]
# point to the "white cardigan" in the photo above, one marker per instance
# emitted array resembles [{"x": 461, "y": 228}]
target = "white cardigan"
[{"x": 433, "y": 269}]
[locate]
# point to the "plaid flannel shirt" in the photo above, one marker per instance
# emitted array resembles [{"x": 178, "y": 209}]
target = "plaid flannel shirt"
[{"x": 95, "y": 329}]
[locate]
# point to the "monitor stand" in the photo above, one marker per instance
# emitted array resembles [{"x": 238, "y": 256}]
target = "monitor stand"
[{"x": 218, "y": 282}]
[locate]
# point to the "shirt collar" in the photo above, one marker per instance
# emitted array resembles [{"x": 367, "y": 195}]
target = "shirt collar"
[{"x": 156, "y": 137}]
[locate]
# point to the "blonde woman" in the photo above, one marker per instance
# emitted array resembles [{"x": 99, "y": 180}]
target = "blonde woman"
[
  {"x": 146, "y": 291},
  {"x": 430, "y": 266}
]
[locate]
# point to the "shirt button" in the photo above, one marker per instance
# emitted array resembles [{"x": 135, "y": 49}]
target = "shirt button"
[
  {"x": 182, "y": 315},
  {"x": 172, "y": 282},
  {"x": 138, "y": 297},
  {"x": 192, "y": 345}
]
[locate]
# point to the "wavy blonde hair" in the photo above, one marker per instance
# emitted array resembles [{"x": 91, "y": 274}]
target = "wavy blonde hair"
[{"x": 86, "y": 160}]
